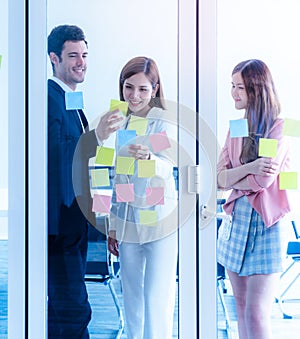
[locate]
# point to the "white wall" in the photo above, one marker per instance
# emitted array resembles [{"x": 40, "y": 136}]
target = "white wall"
[
  {"x": 116, "y": 31},
  {"x": 4, "y": 102},
  {"x": 266, "y": 30}
]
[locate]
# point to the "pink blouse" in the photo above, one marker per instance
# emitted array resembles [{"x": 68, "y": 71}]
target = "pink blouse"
[{"x": 265, "y": 197}]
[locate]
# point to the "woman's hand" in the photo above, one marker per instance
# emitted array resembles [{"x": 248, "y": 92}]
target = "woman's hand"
[
  {"x": 139, "y": 152},
  {"x": 112, "y": 243},
  {"x": 263, "y": 166},
  {"x": 109, "y": 123}
]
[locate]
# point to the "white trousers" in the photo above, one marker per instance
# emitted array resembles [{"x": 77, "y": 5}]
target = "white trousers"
[{"x": 148, "y": 275}]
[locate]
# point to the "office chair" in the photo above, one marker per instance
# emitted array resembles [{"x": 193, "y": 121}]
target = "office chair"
[
  {"x": 293, "y": 252},
  {"x": 102, "y": 266}
]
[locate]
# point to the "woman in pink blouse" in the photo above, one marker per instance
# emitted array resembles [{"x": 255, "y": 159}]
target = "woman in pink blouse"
[{"x": 252, "y": 246}]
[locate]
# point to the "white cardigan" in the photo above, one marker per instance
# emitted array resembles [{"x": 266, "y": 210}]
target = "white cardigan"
[{"x": 124, "y": 216}]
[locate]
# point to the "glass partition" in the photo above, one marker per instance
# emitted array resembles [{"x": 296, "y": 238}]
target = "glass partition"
[
  {"x": 265, "y": 30},
  {"x": 4, "y": 170},
  {"x": 116, "y": 32}
]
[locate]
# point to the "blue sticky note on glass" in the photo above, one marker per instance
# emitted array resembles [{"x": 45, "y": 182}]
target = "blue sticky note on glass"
[
  {"x": 238, "y": 128},
  {"x": 74, "y": 100},
  {"x": 126, "y": 137}
]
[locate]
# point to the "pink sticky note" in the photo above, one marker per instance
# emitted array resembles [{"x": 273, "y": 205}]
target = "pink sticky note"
[
  {"x": 159, "y": 141},
  {"x": 155, "y": 196},
  {"x": 125, "y": 192},
  {"x": 101, "y": 203}
]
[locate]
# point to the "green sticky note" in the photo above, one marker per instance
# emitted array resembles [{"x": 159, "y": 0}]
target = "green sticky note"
[
  {"x": 125, "y": 165},
  {"x": 146, "y": 168},
  {"x": 148, "y": 218},
  {"x": 288, "y": 180},
  {"x": 267, "y": 147},
  {"x": 0, "y": 60},
  {"x": 100, "y": 177},
  {"x": 119, "y": 105},
  {"x": 104, "y": 156},
  {"x": 138, "y": 124},
  {"x": 291, "y": 127}
]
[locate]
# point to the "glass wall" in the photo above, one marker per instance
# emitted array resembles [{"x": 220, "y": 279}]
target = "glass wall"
[
  {"x": 4, "y": 169},
  {"x": 265, "y": 30},
  {"x": 116, "y": 32}
]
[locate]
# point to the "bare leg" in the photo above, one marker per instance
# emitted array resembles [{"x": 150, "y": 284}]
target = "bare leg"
[
  {"x": 260, "y": 296},
  {"x": 254, "y": 296},
  {"x": 239, "y": 287}
]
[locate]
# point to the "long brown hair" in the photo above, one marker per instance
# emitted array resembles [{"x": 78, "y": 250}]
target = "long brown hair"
[
  {"x": 149, "y": 68},
  {"x": 263, "y": 104}
]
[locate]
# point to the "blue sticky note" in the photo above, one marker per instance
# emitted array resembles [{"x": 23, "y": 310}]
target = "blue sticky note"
[
  {"x": 238, "y": 128},
  {"x": 126, "y": 137},
  {"x": 74, "y": 100}
]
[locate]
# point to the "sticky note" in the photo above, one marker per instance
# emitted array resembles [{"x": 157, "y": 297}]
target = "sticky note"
[
  {"x": 159, "y": 141},
  {"x": 74, "y": 100},
  {"x": 288, "y": 180},
  {"x": 291, "y": 127},
  {"x": 125, "y": 165},
  {"x": 139, "y": 124},
  {"x": 101, "y": 203},
  {"x": 100, "y": 177},
  {"x": 146, "y": 168},
  {"x": 0, "y": 60},
  {"x": 104, "y": 156},
  {"x": 155, "y": 195},
  {"x": 126, "y": 137},
  {"x": 125, "y": 192},
  {"x": 148, "y": 218},
  {"x": 267, "y": 147},
  {"x": 119, "y": 105},
  {"x": 238, "y": 128}
]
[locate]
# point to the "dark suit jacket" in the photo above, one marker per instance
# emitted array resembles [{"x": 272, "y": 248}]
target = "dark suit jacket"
[{"x": 69, "y": 150}]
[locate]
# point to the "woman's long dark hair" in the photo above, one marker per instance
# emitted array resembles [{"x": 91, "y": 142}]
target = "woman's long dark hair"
[
  {"x": 149, "y": 68},
  {"x": 263, "y": 104}
]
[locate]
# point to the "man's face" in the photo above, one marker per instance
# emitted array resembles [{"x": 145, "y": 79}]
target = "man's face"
[{"x": 72, "y": 65}]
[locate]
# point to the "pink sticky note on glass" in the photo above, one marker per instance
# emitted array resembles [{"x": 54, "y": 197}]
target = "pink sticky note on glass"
[
  {"x": 125, "y": 192},
  {"x": 159, "y": 141},
  {"x": 155, "y": 196},
  {"x": 101, "y": 203}
]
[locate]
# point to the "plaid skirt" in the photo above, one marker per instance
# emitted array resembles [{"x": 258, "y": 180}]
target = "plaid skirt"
[{"x": 246, "y": 246}]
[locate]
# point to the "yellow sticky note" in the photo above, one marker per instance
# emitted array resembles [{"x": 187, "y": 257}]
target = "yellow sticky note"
[
  {"x": 146, "y": 168},
  {"x": 0, "y": 60},
  {"x": 267, "y": 147},
  {"x": 104, "y": 156},
  {"x": 291, "y": 127},
  {"x": 138, "y": 124},
  {"x": 148, "y": 218},
  {"x": 288, "y": 180},
  {"x": 119, "y": 105},
  {"x": 125, "y": 165},
  {"x": 100, "y": 177}
]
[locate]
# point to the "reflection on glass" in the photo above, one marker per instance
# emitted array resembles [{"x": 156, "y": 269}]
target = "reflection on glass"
[
  {"x": 107, "y": 54},
  {"x": 272, "y": 45}
]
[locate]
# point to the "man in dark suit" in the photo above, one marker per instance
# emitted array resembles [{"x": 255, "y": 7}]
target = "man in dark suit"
[{"x": 70, "y": 145}]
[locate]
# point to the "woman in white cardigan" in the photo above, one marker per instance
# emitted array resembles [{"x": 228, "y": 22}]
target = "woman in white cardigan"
[{"x": 143, "y": 220}]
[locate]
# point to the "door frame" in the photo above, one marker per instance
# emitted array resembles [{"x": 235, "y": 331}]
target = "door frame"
[
  {"x": 27, "y": 231},
  {"x": 27, "y": 300}
]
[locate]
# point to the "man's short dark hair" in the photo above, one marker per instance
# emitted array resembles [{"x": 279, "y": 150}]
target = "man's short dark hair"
[{"x": 60, "y": 34}]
